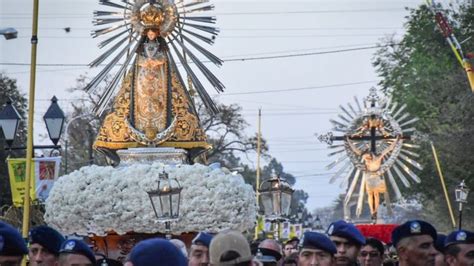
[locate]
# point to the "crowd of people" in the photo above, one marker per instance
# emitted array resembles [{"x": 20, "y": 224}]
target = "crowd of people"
[{"x": 414, "y": 243}]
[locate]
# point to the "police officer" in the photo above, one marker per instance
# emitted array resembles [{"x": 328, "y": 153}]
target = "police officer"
[
  {"x": 199, "y": 251},
  {"x": 76, "y": 252},
  {"x": 156, "y": 251},
  {"x": 12, "y": 245},
  {"x": 45, "y": 243},
  {"x": 414, "y": 241},
  {"x": 459, "y": 248},
  {"x": 316, "y": 249},
  {"x": 348, "y": 241}
]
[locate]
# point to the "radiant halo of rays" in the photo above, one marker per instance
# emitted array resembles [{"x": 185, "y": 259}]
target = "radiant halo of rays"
[
  {"x": 185, "y": 28},
  {"x": 398, "y": 166}
]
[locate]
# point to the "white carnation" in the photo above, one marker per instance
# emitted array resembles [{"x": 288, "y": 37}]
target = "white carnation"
[{"x": 97, "y": 200}]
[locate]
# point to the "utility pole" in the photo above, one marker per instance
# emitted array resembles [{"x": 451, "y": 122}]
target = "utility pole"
[{"x": 257, "y": 183}]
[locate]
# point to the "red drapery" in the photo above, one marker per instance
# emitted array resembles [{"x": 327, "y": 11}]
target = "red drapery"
[{"x": 382, "y": 232}]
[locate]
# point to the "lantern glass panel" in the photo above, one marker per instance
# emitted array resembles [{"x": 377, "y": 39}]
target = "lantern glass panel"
[
  {"x": 9, "y": 127},
  {"x": 463, "y": 195},
  {"x": 276, "y": 202},
  {"x": 175, "y": 200},
  {"x": 54, "y": 126},
  {"x": 285, "y": 203},
  {"x": 267, "y": 203}
]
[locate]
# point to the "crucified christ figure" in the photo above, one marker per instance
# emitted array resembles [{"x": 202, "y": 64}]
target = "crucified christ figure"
[{"x": 374, "y": 182}]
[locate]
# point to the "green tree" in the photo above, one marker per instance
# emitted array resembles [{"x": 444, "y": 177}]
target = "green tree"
[
  {"x": 421, "y": 71},
  {"x": 9, "y": 89}
]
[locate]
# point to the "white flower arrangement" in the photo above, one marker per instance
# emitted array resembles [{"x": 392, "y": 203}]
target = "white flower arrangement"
[{"x": 98, "y": 200}]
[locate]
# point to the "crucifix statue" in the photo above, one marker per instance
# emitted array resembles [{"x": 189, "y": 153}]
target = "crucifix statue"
[{"x": 375, "y": 139}]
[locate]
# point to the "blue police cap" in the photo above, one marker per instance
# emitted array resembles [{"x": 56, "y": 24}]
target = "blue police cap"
[
  {"x": 459, "y": 237},
  {"x": 439, "y": 243},
  {"x": 202, "y": 238},
  {"x": 319, "y": 241},
  {"x": 47, "y": 237},
  {"x": 11, "y": 242},
  {"x": 346, "y": 230},
  {"x": 413, "y": 228},
  {"x": 156, "y": 251},
  {"x": 74, "y": 246}
]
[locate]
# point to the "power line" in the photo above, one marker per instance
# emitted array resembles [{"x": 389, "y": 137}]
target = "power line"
[
  {"x": 303, "y": 88},
  {"x": 81, "y": 15},
  {"x": 226, "y": 60},
  {"x": 238, "y": 36},
  {"x": 248, "y": 29}
]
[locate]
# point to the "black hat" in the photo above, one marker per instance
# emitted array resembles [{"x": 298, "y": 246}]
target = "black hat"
[
  {"x": 270, "y": 252},
  {"x": 459, "y": 237},
  {"x": 346, "y": 230},
  {"x": 47, "y": 237},
  {"x": 413, "y": 228},
  {"x": 11, "y": 242},
  {"x": 319, "y": 241},
  {"x": 74, "y": 246}
]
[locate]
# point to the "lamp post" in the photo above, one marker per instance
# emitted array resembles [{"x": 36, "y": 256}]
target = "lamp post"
[
  {"x": 318, "y": 225},
  {"x": 10, "y": 120},
  {"x": 9, "y": 33},
  {"x": 165, "y": 201},
  {"x": 275, "y": 198},
  {"x": 461, "y": 192}
]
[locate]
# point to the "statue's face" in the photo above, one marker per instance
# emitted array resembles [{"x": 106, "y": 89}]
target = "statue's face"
[{"x": 152, "y": 34}]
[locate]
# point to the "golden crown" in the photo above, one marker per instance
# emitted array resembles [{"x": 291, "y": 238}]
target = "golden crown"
[{"x": 151, "y": 16}]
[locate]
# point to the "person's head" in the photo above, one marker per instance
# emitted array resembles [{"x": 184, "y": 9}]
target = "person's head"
[
  {"x": 316, "y": 249},
  {"x": 149, "y": 252},
  {"x": 439, "y": 246},
  {"x": 199, "y": 251},
  {"x": 371, "y": 253},
  {"x": 76, "y": 252},
  {"x": 45, "y": 243},
  {"x": 180, "y": 245},
  {"x": 270, "y": 252},
  {"x": 12, "y": 245},
  {"x": 291, "y": 260},
  {"x": 229, "y": 247},
  {"x": 290, "y": 247},
  {"x": 414, "y": 241},
  {"x": 459, "y": 248},
  {"x": 348, "y": 240}
]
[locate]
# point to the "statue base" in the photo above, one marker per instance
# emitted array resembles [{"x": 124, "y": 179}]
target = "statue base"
[{"x": 168, "y": 156}]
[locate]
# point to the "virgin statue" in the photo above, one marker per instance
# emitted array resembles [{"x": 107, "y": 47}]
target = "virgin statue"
[{"x": 153, "y": 108}]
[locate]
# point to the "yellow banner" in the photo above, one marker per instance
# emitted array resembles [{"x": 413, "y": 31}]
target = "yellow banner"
[{"x": 17, "y": 173}]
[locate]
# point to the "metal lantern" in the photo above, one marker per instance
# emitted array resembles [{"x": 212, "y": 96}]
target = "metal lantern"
[
  {"x": 462, "y": 191},
  {"x": 9, "y": 122},
  {"x": 54, "y": 119},
  {"x": 318, "y": 225},
  {"x": 166, "y": 199},
  {"x": 275, "y": 194}
]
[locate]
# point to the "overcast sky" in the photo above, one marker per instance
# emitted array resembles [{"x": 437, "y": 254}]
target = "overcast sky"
[{"x": 298, "y": 94}]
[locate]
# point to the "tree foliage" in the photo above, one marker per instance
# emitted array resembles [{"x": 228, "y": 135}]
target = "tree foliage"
[
  {"x": 422, "y": 72},
  {"x": 8, "y": 88}
]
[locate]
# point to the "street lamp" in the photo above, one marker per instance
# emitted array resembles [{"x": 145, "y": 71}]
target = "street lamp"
[
  {"x": 9, "y": 122},
  {"x": 461, "y": 192},
  {"x": 318, "y": 225},
  {"x": 9, "y": 33},
  {"x": 275, "y": 194},
  {"x": 54, "y": 120},
  {"x": 165, "y": 201}
]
